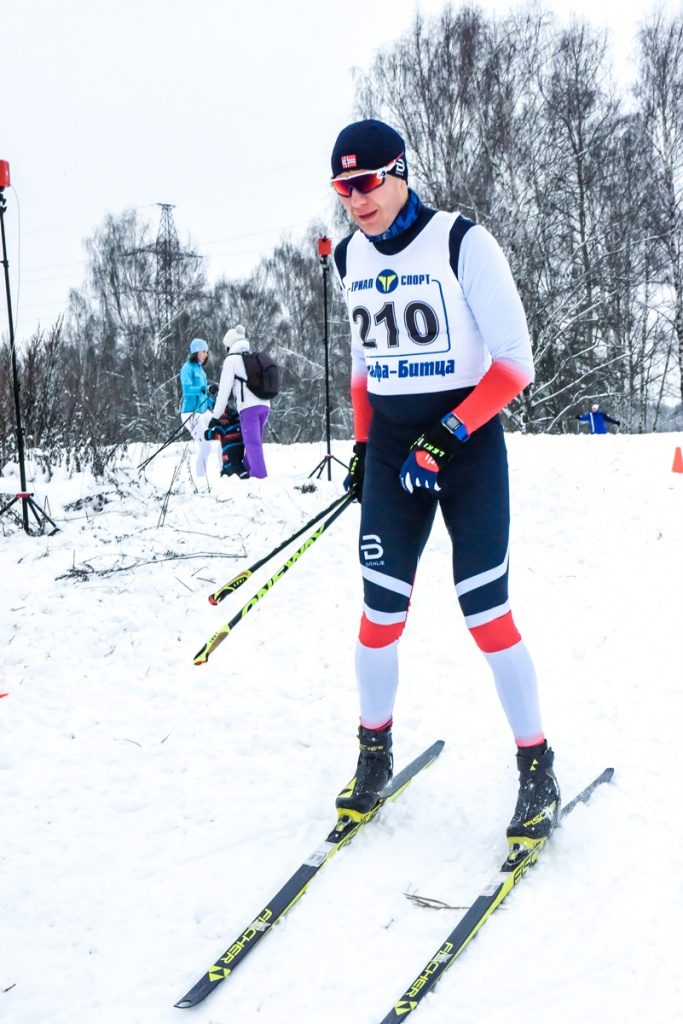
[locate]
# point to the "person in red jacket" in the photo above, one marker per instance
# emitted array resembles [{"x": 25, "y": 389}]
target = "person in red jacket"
[{"x": 439, "y": 347}]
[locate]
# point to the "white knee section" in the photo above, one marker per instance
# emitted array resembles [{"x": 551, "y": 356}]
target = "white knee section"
[
  {"x": 515, "y": 677},
  {"x": 377, "y": 678},
  {"x": 197, "y": 423}
]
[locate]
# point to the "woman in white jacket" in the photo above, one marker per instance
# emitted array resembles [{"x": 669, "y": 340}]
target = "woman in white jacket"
[{"x": 253, "y": 411}]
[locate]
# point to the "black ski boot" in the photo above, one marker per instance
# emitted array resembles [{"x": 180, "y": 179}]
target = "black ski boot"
[
  {"x": 373, "y": 772},
  {"x": 538, "y": 802}
]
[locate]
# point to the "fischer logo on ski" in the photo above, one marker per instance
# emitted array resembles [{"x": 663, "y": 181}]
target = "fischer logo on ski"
[
  {"x": 341, "y": 835},
  {"x": 492, "y": 895}
]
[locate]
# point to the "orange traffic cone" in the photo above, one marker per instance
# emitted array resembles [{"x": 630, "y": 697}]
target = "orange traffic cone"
[{"x": 678, "y": 461}]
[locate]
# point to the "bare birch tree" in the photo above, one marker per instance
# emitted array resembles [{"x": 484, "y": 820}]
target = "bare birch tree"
[{"x": 660, "y": 91}]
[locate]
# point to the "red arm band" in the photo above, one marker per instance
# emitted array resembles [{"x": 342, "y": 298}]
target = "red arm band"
[
  {"x": 362, "y": 410},
  {"x": 502, "y": 382}
]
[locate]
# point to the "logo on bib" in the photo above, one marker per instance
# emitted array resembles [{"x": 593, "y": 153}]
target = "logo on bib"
[{"x": 386, "y": 281}]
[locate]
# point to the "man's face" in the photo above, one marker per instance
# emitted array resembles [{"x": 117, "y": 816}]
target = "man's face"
[{"x": 374, "y": 212}]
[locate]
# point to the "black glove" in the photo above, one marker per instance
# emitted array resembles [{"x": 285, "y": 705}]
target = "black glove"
[
  {"x": 430, "y": 452},
  {"x": 213, "y": 390},
  {"x": 213, "y": 423},
  {"x": 354, "y": 481}
]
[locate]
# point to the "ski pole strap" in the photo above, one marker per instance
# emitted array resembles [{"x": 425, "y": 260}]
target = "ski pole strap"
[
  {"x": 210, "y": 646},
  {"x": 242, "y": 577}
]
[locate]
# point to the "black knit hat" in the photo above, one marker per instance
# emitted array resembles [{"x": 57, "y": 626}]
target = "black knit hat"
[{"x": 369, "y": 145}]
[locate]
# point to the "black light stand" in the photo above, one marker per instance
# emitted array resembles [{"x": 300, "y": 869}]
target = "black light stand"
[
  {"x": 24, "y": 496},
  {"x": 324, "y": 251}
]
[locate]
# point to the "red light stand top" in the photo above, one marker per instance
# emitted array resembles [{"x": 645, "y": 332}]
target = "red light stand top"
[
  {"x": 4, "y": 174},
  {"x": 324, "y": 246}
]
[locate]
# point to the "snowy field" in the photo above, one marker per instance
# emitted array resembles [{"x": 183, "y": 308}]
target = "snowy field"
[{"x": 150, "y": 808}]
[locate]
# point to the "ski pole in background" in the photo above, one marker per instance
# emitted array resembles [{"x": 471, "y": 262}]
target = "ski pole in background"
[
  {"x": 210, "y": 646},
  {"x": 171, "y": 439},
  {"x": 237, "y": 581}
]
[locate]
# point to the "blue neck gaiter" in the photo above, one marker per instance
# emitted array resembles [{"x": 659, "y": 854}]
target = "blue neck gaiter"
[{"x": 405, "y": 219}]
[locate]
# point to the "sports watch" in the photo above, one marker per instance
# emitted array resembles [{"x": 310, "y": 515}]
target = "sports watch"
[{"x": 455, "y": 426}]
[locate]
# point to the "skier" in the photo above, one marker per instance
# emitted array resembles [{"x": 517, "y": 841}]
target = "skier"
[
  {"x": 253, "y": 411},
  {"x": 197, "y": 402},
  {"x": 439, "y": 347},
  {"x": 596, "y": 419}
]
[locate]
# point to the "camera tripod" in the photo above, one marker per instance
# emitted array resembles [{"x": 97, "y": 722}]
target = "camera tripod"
[
  {"x": 324, "y": 251},
  {"x": 24, "y": 496}
]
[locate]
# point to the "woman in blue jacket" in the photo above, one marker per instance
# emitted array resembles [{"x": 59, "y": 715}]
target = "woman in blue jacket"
[{"x": 197, "y": 403}]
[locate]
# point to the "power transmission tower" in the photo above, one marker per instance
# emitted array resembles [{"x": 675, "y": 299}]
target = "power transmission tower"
[{"x": 168, "y": 257}]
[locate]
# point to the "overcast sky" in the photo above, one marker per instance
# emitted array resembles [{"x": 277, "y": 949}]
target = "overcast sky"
[{"x": 226, "y": 109}]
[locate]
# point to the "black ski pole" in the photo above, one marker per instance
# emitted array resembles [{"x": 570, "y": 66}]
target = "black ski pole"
[
  {"x": 210, "y": 646},
  {"x": 237, "y": 581},
  {"x": 171, "y": 439}
]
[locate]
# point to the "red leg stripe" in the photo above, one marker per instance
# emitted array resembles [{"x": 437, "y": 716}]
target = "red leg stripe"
[
  {"x": 497, "y": 635},
  {"x": 373, "y": 635}
]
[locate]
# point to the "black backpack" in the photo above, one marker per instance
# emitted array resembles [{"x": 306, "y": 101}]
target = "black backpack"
[{"x": 263, "y": 374}]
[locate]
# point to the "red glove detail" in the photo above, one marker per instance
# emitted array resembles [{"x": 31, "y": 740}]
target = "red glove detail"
[{"x": 426, "y": 461}]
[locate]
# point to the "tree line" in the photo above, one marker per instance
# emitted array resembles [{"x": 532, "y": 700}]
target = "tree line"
[
  {"x": 106, "y": 373},
  {"x": 519, "y": 123}
]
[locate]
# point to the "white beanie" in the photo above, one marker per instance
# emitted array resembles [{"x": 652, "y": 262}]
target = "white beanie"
[{"x": 234, "y": 334}]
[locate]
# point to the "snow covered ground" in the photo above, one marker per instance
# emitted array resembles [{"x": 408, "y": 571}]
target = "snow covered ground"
[{"x": 149, "y": 808}]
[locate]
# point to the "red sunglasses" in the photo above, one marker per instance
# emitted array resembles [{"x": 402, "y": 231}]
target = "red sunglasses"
[{"x": 364, "y": 181}]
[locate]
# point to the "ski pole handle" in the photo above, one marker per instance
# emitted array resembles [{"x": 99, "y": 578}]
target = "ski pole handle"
[
  {"x": 237, "y": 581},
  {"x": 210, "y": 646}
]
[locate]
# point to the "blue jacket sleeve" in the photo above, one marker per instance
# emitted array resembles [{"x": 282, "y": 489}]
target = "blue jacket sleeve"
[{"x": 193, "y": 382}]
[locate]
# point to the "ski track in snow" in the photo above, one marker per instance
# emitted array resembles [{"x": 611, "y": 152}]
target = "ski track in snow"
[{"x": 150, "y": 808}]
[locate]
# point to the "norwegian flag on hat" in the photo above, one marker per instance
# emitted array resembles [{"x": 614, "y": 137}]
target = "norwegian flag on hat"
[{"x": 348, "y": 162}]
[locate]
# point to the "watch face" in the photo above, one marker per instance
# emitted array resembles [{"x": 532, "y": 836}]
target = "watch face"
[{"x": 455, "y": 426}]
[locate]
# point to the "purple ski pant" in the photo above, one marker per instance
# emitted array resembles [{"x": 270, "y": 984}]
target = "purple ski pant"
[{"x": 253, "y": 420}]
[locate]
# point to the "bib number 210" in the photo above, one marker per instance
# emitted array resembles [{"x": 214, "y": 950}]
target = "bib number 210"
[{"x": 420, "y": 320}]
